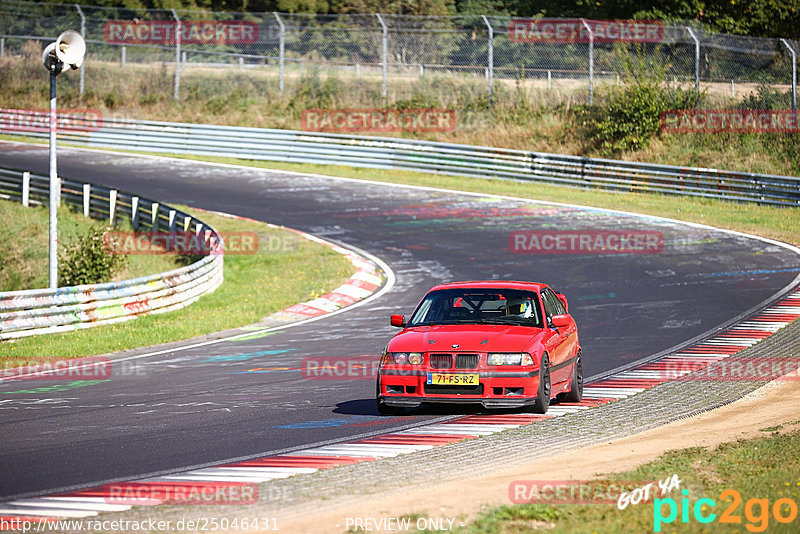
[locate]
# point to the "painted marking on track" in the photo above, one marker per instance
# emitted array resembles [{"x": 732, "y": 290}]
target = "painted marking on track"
[
  {"x": 246, "y": 356},
  {"x": 56, "y": 387}
]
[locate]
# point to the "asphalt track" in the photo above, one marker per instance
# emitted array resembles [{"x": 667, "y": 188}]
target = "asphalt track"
[{"x": 166, "y": 412}]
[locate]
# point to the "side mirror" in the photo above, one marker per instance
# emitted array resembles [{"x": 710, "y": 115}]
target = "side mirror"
[
  {"x": 397, "y": 320},
  {"x": 560, "y": 320},
  {"x": 563, "y": 300}
]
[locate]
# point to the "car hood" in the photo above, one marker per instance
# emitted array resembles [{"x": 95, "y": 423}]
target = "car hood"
[{"x": 469, "y": 338}]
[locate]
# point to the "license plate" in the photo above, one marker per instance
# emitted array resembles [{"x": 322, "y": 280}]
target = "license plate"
[{"x": 441, "y": 379}]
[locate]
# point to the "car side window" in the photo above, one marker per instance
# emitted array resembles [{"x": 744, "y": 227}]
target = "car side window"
[
  {"x": 552, "y": 304},
  {"x": 560, "y": 310},
  {"x": 549, "y": 309}
]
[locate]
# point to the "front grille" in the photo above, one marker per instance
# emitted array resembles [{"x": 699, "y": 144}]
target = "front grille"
[
  {"x": 441, "y": 361},
  {"x": 453, "y": 390},
  {"x": 466, "y": 361}
]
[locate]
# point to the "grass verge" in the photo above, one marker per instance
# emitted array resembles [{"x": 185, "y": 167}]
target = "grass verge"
[
  {"x": 763, "y": 469},
  {"x": 286, "y": 269},
  {"x": 24, "y": 246}
]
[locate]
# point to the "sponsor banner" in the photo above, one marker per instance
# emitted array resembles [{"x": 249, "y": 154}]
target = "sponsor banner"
[
  {"x": 576, "y": 31},
  {"x": 197, "y": 493},
  {"x": 760, "y": 370},
  {"x": 378, "y": 120},
  {"x": 230, "y": 32},
  {"x": 89, "y": 368},
  {"x": 577, "y": 491},
  {"x": 190, "y": 243},
  {"x": 586, "y": 242},
  {"x": 730, "y": 120},
  {"x": 38, "y": 120},
  {"x": 340, "y": 368}
]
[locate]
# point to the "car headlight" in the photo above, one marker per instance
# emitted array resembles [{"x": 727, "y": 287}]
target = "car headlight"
[
  {"x": 402, "y": 358},
  {"x": 505, "y": 358}
]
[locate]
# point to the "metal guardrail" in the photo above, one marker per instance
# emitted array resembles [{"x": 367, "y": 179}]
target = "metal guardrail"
[
  {"x": 422, "y": 156},
  {"x": 44, "y": 311}
]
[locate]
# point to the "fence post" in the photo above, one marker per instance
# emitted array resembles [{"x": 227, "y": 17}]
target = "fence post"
[
  {"x": 177, "y": 53},
  {"x": 171, "y": 220},
  {"x": 87, "y": 199},
  {"x": 83, "y": 34},
  {"x": 112, "y": 205},
  {"x": 2, "y": 46},
  {"x": 696, "y": 64},
  {"x": 794, "y": 73},
  {"x": 26, "y": 188},
  {"x": 135, "y": 212},
  {"x": 122, "y": 54},
  {"x": 385, "y": 53},
  {"x": 490, "y": 58},
  {"x": 281, "y": 44},
  {"x": 154, "y": 216},
  {"x": 591, "y": 61}
]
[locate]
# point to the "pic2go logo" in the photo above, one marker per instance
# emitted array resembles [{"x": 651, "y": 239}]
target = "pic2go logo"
[{"x": 756, "y": 511}]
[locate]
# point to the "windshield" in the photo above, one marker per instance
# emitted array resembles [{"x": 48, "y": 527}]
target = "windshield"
[{"x": 478, "y": 306}]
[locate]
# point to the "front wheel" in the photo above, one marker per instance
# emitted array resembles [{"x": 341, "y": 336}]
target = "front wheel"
[
  {"x": 576, "y": 387},
  {"x": 542, "y": 402},
  {"x": 383, "y": 408}
]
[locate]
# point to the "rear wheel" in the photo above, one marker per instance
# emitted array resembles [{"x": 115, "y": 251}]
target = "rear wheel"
[
  {"x": 543, "y": 395},
  {"x": 576, "y": 387}
]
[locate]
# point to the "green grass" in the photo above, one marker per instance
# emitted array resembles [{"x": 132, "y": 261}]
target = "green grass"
[
  {"x": 255, "y": 286},
  {"x": 24, "y": 246},
  {"x": 759, "y": 468}
]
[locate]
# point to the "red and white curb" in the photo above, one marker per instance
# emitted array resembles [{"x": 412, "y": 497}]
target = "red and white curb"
[
  {"x": 366, "y": 280},
  {"x": 90, "y": 502},
  {"x": 364, "y": 283}
]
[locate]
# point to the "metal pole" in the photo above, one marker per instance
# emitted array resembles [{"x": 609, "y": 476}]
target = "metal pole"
[
  {"x": 83, "y": 34},
  {"x": 177, "y": 53},
  {"x": 384, "y": 59},
  {"x": 490, "y": 59},
  {"x": 696, "y": 64},
  {"x": 2, "y": 46},
  {"x": 282, "y": 40},
  {"x": 53, "y": 207},
  {"x": 794, "y": 73},
  {"x": 122, "y": 57},
  {"x": 591, "y": 61}
]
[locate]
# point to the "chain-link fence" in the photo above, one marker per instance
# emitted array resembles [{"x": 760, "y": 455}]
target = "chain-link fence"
[{"x": 379, "y": 60}]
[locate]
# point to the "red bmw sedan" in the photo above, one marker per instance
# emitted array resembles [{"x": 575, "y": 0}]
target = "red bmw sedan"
[{"x": 498, "y": 344}]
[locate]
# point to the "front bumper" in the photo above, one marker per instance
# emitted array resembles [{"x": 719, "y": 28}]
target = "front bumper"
[{"x": 496, "y": 389}]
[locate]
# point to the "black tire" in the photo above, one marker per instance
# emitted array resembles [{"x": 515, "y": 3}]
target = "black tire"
[
  {"x": 542, "y": 402},
  {"x": 383, "y": 408},
  {"x": 576, "y": 387}
]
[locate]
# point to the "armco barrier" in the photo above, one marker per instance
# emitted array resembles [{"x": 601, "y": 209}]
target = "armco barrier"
[
  {"x": 41, "y": 311},
  {"x": 423, "y": 156}
]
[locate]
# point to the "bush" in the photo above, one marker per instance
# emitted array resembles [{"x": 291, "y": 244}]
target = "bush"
[
  {"x": 632, "y": 115},
  {"x": 86, "y": 261}
]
